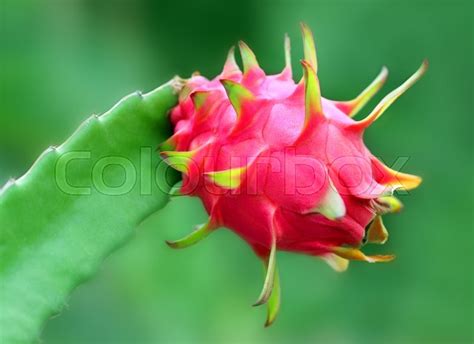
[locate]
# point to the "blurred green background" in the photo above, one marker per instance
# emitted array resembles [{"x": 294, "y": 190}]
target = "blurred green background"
[{"x": 63, "y": 60}]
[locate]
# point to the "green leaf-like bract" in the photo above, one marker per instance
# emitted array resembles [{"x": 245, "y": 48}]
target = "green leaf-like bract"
[{"x": 76, "y": 204}]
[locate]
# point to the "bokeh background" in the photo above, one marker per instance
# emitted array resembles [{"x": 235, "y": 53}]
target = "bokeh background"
[{"x": 63, "y": 60}]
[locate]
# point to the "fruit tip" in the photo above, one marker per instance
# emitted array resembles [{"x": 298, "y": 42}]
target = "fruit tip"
[
  {"x": 425, "y": 63},
  {"x": 381, "y": 258},
  {"x": 304, "y": 26},
  {"x": 242, "y": 44},
  {"x": 171, "y": 244},
  {"x": 259, "y": 303},
  {"x": 268, "y": 323}
]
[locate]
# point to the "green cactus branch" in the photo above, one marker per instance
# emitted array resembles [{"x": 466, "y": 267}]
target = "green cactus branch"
[{"x": 78, "y": 203}]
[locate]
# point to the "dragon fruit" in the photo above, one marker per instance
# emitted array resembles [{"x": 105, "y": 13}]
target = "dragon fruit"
[{"x": 283, "y": 167}]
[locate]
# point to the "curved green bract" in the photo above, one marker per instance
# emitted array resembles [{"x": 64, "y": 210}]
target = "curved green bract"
[{"x": 78, "y": 203}]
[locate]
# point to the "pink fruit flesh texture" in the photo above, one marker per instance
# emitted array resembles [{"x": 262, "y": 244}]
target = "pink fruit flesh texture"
[{"x": 280, "y": 165}]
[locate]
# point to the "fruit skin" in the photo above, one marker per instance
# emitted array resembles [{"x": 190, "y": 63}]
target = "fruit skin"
[{"x": 283, "y": 167}]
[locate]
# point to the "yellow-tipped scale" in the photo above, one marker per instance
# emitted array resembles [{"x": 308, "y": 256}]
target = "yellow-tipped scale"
[
  {"x": 387, "y": 204},
  {"x": 403, "y": 181},
  {"x": 356, "y": 254},
  {"x": 337, "y": 263},
  {"x": 377, "y": 233}
]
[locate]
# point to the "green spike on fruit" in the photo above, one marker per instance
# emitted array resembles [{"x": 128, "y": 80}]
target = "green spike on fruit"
[
  {"x": 199, "y": 98},
  {"x": 337, "y": 263},
  {"x": 237, "y": 94},
  {"x": 270, "y": 276},
  {"x": 230, "y": 65},
  {"x": 352, "y": 107},
  {"x": 248, "y": 58},
  {"x": 288, "y": 54},
  {"x": 392, "y": 96},
  {"x": 180, "y": 161},
  {"x": 312, "y": 92},
  {"x": 228, "y": 179},
  {"x": 309, "y": 47},
  {"x": 273, "y": 304},
  {"x": 167, "y": 145},
  {"x": 194, "y": 237}
]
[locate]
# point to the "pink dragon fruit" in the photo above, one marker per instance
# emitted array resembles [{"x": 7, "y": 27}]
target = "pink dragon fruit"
[{"x": 283, "y": 167}]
